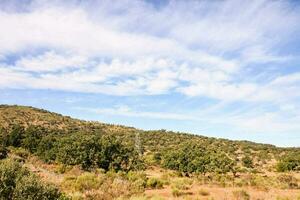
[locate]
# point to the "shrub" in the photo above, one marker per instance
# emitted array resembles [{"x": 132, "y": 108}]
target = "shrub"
[
  {"x": 203, "y": 192},
  {"x": 287, "y": 181},
  {"x": 3, "y": 152},
  {"x": 176, "y": 192},
  {"x": 290, "y": 162},
  {"x": 17, "y": 183},
  {"x": 10, "y": 173},
  {"x": 241, "y": 195},
  {"x": 29, "y": 187},
  {"x": 16, "y": 135},
  {"x": 247, "y": 162},
  {"x": 88, "y": 181},
  {"x": 182, "y": 183},
  {"x": 154, "y": 183},
  {"x": 21, "y": 153}
]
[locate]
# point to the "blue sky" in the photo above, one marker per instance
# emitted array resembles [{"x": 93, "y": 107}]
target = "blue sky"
[{"x": 226, "y": 69}]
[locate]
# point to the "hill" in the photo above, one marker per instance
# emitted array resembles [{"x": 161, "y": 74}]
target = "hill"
[
  {"x": 151, "y": 141},
  {"x": 42, "y": 139}
]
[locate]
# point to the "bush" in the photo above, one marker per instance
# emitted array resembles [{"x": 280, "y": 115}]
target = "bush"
[
  {"x": 247, "y": 162},
  {"x": 203, "y": 192},
  {"x": 288, "y": 181},
  {"x": 88, "y": 181},
  {"x": 290, "y": 162},
  {"x": 16, "y": 135},
  {"x": 29, "y": 187},
  {"x": 154, "y": 183},
  {"x": 192, "y": 157},
  {"x": 10, "y": 173},
  {"x": 241, "y": 195},
  {"x": 17, "y": 183},
  {"x": 182, "y": 183},
  {"x": 176, "y": 192},
  {"x": 21, "y": 153}
]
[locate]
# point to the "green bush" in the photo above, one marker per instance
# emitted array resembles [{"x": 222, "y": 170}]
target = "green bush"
[
  {"x": 16, "y": 136},
  {"x": 17, "y": 183},
  {"x": 10, "y": 173},
  {"x": 290, "y": 162},
  {"x": 193, "y": 157},
  {"x": 247, "y": 161},
  {"x": 154, "y": 183},
  {"x": 23, "y": 153},
  {"x": 29, "y": 187}
]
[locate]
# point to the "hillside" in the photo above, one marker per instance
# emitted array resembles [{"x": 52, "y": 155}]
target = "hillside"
[
  {"x": 151, "y": 141},
  {"x": 53, "y": 146}
]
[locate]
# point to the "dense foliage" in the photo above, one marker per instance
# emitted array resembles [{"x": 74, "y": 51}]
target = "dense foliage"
[
  {"x": 290, "y": 162},
  {"x": 192, "y": 157},
  {"x": 17, "y": 183},
  {"x": 61, "y": 139},
  {"x": 86, "y": 150}
]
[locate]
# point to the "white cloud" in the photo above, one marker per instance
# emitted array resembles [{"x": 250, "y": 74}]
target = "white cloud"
[
  {"x": 128, "y": 112},
  {"x": 132, "y": 48},
  {"x": 50, "y": 62}
]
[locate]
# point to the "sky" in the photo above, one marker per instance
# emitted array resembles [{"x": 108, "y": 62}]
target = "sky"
[{"x": 228, "y": 69}]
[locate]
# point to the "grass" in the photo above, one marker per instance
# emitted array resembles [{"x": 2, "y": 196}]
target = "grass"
[
  {"x": 241, "y": 195},
  {"x": 203, "y": 192}
]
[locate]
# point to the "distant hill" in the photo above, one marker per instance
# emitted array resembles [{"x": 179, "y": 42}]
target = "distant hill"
[{"x": 151, "y": 143}]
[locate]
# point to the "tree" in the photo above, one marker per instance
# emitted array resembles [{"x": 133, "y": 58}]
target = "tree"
[
  {"x": 290, "y": 162},
  {"x": 16, "y": 135},
  {"x": 247, "y": 161},
  {"x": 32, "y": 137}
]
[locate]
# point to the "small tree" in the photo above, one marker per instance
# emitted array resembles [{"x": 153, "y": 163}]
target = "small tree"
[
  {"x": 16, "y": 135},
  {"x": 247, "y": 162}
]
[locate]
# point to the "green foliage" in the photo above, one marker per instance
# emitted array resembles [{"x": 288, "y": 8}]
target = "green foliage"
[
  {"x": 46, "y": 148},
  {"x": 192, "y": 157},
  {"x": 95, "y": 151},
  {"x": 16, "y": 135},
  {"x": 290, "y": 162},
  {"x": 247, "y": 161},
  {"x": 154, "y": 183},
  {"x": 16, "y": 183},
  {"x": 32, "y": 137},
  {"x": 31, "y": 188},
  {"x": 46, "y": 132}
]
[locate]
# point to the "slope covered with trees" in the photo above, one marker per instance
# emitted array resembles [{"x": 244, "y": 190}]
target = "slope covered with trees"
[{"x": 61, "y": 140}]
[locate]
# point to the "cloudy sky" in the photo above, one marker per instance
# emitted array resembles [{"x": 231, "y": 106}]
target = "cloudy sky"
[{"x": 226, "y": 69}]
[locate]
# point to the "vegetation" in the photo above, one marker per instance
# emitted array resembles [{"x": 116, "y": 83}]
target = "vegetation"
[
  {"x": 289, "y": 162},
  {"x": 104, "y": 161},
  {"x": 17, "y": 183}
]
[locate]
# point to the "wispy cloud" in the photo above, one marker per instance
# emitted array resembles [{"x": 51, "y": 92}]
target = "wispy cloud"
[{"x": 206, "y": 51}]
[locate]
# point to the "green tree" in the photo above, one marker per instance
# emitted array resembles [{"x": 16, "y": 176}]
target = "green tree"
[
  {"x": 247, "y": 161},
  {"x": 32, "y": 137},
  {"x": 16, "y": 135}
]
